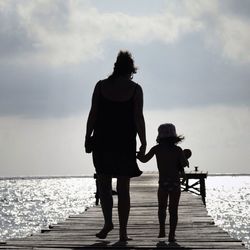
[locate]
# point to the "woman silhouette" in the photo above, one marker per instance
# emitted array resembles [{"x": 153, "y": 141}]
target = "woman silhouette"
[{"x": 115, "y": 118}]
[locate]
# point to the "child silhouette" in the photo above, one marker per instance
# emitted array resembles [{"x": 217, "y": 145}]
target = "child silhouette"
[{"x": 170, "y": 162}]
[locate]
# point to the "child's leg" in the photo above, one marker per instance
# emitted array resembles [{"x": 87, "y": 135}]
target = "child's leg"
[
  {"x": 162, "y": 206},
  {"x": 174, "y": 197}
]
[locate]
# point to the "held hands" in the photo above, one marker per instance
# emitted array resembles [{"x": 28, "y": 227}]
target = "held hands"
[
  {"x": 140, "y": 155},
  {"x": 142, "y": 149}
]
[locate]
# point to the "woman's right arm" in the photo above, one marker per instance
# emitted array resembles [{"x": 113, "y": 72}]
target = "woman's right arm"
[
  {"x": 139, "y": 119},
  {"x": 93, "y": 112}
]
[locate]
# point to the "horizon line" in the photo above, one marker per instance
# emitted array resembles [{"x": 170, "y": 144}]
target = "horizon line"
[{"x": 26, "y": 177}]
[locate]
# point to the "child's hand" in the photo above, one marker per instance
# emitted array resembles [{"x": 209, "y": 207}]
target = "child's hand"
[
  {"x": 139, "y": 156},
  {"x": 142, "y": 149},
  {"x": 145, "y": 157}
]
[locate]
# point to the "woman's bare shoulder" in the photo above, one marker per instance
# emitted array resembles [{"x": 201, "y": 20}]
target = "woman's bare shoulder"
[
  {"x": 103, "y": 81},
  {"x": 138, "y": 90}
]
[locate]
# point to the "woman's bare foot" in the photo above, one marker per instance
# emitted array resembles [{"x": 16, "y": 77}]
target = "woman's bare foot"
[
  {"x": 171, "y": 238},
  {"x": 104, "y": 232},
  {"x": 124, "y": 238}
]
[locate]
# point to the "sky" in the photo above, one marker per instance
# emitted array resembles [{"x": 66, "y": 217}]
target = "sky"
[{"x": 193, "y": 59}]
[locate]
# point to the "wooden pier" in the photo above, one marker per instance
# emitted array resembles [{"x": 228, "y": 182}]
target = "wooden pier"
[{"x": 195, "y": 230}]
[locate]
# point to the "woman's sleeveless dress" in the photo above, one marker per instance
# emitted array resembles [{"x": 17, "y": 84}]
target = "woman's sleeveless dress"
[{"x": 115, "y": 138}]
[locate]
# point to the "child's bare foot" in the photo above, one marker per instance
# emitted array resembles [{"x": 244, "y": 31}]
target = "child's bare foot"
[
  {"x": 104, "y": 232},
  {"x": 162, "y": 234}
]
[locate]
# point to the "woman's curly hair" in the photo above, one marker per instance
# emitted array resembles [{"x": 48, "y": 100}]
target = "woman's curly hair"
[{"x": 124, "y": 65}]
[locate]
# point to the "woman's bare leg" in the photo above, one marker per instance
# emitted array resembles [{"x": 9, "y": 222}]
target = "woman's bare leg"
[
  {"x": 162, "y": 206},
  {"x": 123, "y": 184},
  {"x": 174, "y": 198},
  {"x": 105, "y": 193}
]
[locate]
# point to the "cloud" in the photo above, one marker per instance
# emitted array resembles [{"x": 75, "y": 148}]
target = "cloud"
[
  {"x": 82, "y": 38},
  {"x": 235, "y": 38},
  {"x": 225, "y": 25},
  {"x": 68, "y": 32}
]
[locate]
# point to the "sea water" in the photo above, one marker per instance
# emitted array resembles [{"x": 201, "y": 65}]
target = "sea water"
[
  {"x": 228, "y": 202},
  {"x": 30, "y": 204}
]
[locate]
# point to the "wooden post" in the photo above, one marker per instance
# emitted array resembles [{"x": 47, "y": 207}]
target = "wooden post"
[
  {"x": 97, "y": 191},
  {"x": 186, "y": 189},
  {"x": 203, "y": 190},
  {"x": 97, "y": 196}
]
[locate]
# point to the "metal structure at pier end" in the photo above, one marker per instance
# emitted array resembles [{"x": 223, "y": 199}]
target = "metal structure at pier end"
[{"x": 198, "y": 186}]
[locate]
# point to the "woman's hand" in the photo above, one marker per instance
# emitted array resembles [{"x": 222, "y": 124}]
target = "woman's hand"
[
  {"x": 89, "y": 144},
  {"x": 141, "y": 153}
]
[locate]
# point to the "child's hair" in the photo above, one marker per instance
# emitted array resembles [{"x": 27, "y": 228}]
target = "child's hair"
[
  {"x": 171, "y": 140},
  {"x": 167, "y": 134}
]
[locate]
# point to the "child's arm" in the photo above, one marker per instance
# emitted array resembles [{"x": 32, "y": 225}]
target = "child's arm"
[
  {"x": 183, "y": 162},
  {"x": 148, "y": 156}
]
